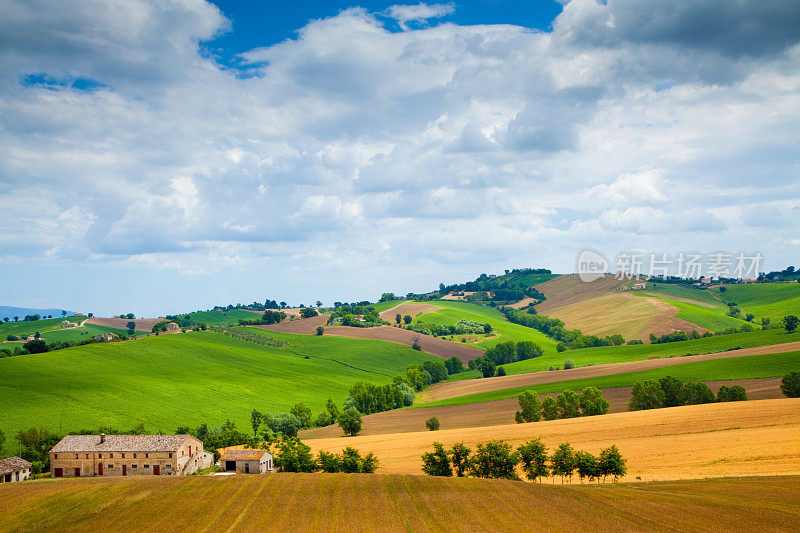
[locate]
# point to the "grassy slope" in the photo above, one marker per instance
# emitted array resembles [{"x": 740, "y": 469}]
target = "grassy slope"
[
  {"x": 452, "y": 311},
  {"x": 29, "y": 328},
  {"x": 529, "y": 280},
  {"x": 679, "y": 291},
  {"x": 170, "y": 380},
  {"x": 620, "y": 354},
  {"x": 765, "y": 300},
  {"x": 383, "y": 306},
  {"x": 51, "y": 330},
  {"x": 307, "y": 502},
  {"x": 712, "y": 319},
  {"x": 753, "y": 366}
]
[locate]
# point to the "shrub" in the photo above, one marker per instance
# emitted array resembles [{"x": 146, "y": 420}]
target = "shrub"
[
  {"x": 308, "y": 312},
  {"x": 500, "y": 371},
  {"x": 320, "y": 330},
  {"x": 731, "y": 394},
  {"x": 432, "y": 423},
  {"x": 436, "y": 463},
  {"x": 36, "y": 346},
  {"x": 294, "y": 456},
  {"x": 329, "y": 462},
  {"x": 407, "y": 319},
  {"x": 459, "y": 455},
  {"x": 568, "y": 364},
  {"x": 415, "y": 345},
  {"x": 592, "y": 402},
  {"x": 698, "y": 392},
  {"x": 560, "y": 346},
  {"x": 790, "y": 385}
]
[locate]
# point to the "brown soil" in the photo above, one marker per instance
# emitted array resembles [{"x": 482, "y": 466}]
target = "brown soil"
[
  {"x": 522, "y": 303},
  {"x": 303, "y": 326},
  {"x": 142, "y": 324},
  {"x": 499, "y": 412},
  {"x": 720, "y": 439},
  {"x": 431, "y": 345},
  {"x": 441, "y": 391},
  {"x": 407, "y": 308}
]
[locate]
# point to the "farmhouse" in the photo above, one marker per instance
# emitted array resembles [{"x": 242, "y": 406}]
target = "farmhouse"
[
  {"x": 172, "y": 327},
  {"x": 14, "y": 469},
  {"x": 246, "y": 461},
  {"x": 106, "y": 337},
  {"x": 128, "y": 455}
]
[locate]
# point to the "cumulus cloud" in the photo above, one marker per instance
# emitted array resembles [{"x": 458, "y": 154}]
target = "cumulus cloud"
[{"x": 438, "y": 145}]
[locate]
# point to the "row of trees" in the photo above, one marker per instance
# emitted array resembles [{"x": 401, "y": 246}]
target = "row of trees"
[
  {"x": 672, "y": 392},
  {"x": 554, "y": 328},
  {"x": 497, "y": 459},
  {"x": 269, "y": 317},
  {"x": 462, "y": 327},
  {"x": 568, "y": 404}
]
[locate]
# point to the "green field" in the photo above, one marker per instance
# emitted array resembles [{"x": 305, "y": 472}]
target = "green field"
[
  {"x": 690, "y": 293},
  {"x": 621, "y": 354},
  {"x": 765, "y": 300},
  {"x": 713, "y": 319},
  {"x": 223, "y": 318},
  {"x": 747, "y": 367},
  {"x": 170, "y": 380},
  {"x": 451, "y": 312},
  {"x": 29, "y": 328},
  {"x": 51, "y": 330},
  {"x": 383, "y": 306},
  {"x": 532, "y": 279}
]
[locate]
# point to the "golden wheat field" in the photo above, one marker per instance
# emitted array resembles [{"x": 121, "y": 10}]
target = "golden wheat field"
[
  {"x": 727, "y": 439},
  {"x": 380, "y": 502}
]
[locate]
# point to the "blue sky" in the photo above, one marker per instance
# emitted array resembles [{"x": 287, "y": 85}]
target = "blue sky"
[{"x": 160, "y": 156}]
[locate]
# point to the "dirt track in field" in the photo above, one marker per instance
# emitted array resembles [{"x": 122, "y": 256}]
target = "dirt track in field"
[
  {"x": 441, "y": 391},
  {"x": 407, "y": 308},
  {"x": 711, "y": 440},
  {"x": 500, "y": 412},
  {"x": 142, "y": 324},
  {"x": 379, "y": 502}
]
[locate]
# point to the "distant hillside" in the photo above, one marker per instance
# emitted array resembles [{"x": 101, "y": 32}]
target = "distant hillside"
[{"x": 11, "y": 312}]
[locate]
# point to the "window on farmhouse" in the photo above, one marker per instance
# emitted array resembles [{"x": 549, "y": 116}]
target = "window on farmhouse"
[
  {"x": 147, "y": 466},
  {"x": 170, "y": 455},
  {"x": 87, "y": 455},
  {"x": 112, "y": 455},
  {"x": 123, "y": 456},
  {"x": 55, "y": 456},
  {"x": 99, "y": 455},
  {"x": 133, "y": 466},
  {"x": 134, "y": 456}
]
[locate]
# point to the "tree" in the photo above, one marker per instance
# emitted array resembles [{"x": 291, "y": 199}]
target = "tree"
[
  {"x": 528, "y": 350},
  {"x": 486, "y": 366},
  {"x": 436, "y": 463},
  {"x": 674, "y": 394},
  {"x": 352, "y": 462},
  {"x": 611, "y": 463},
  {"x": 131, "y": 326},
  {"x": 646, "y": 394},
  {"x": 731, "y": 394},
  {"x": 398, "y": 318},
  {"x": 320, "y": 330},
  {"x": 407, "y": 319},
  {"x": 587, "y": 465},
  {"x": 319, "y": 303},
  {"x": 459, "y": 455},
  {"x": 454, "y": 366},
  {"x": 308, "y": 312},
  {"x": 487, "y": 328},
  {"x": 592, "y": 402},
  {"x": 562, "y": 462},
  {"x": 302, "y": 413},
  {"x": 16, "y": 319},
  {"x": 350, "y": 422},
  {"x": 790, "y": 385},
  {"x": 549, "y": 408},
  {"x": 495, "y": 459},
  {"x": 432, "y": 423},
  {"x": 568, "y": 405},
  {"x": 255, "y": 420},
  {"x": 533, "y": 457},
  {"x": 790, "y": 323},
  {"x": 500, "y": 371},
  {"x": 560, "y": 346},
  {"x": 37, "y": 335},
  {"x": 63, "y": 313},
  {"x": 698, "y": 392},
  {"x": 530, "y": 408}
]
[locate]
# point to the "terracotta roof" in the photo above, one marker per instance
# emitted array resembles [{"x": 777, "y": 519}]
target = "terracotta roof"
[
  {"x": 244, "y": 455},
  {"x": 12, "y": 464},
  {"x": 120, "y": 443}
]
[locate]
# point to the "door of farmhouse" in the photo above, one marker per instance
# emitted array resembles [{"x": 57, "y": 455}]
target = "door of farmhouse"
[
  {"x": 156, "y": 470},
  {"x": 77, "y": 471},
  {"x": 124, "y": 470},
  {"x": 100, "y": 469}
]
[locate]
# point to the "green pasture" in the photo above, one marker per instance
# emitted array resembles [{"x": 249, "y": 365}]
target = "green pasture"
[
  {"x": 764, "y": 300},
  {"x": 223, "y": 318},
  {"x": 713, "y": 319},
  {"x": 170, "y": 380}
]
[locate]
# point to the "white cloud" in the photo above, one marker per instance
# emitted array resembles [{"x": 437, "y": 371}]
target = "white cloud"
[{"x": 441, "y": 144}]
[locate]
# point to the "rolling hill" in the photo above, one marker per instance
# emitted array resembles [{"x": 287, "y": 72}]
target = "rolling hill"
[
  {"x": 10, "y": 312},
  {"x": 170, "y": 380}
]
